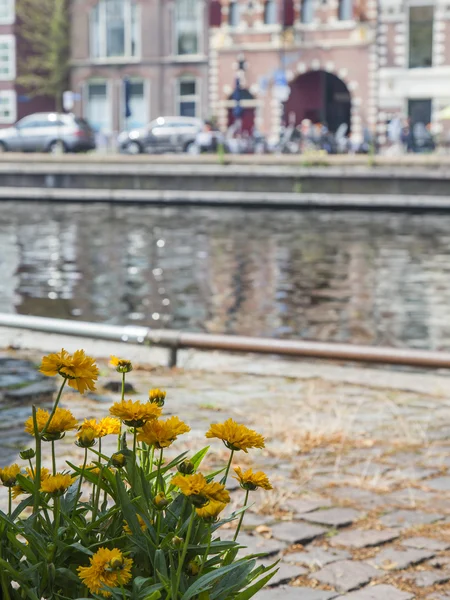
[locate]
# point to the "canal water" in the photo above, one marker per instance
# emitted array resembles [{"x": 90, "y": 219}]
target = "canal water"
[{"x": 359, "y": 277}]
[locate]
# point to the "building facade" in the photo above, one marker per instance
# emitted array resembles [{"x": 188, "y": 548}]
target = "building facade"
[
  {"x": 160, "y": 46},
  {"x": 324, "y": 51}
]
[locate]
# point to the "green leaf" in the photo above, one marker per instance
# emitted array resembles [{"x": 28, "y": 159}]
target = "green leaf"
[
  {"x": 233, "y": 581},
  {"x": 199, "y": 456},
  {"x": 253, "y": 589},
  {"x": 206, "y": 580}
]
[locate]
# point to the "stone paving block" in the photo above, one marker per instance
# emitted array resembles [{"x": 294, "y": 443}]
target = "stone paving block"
[
  {"x": 317, "y": 557},
  {"x": 442, "y": 484},
  {"x": 336, "y": 517},
  {"x": 286, "y": 592},
  {"x": 256, "y": 544},
  {"x": 296, "y": 532},
  {"x": 358, "y": 497},
  {"x": 425, "y": 543},
  {"x": 300, "y": 506},
  {"x": 378, "y": 592},
  {"x": 427, "y": 578},
  {"x": 346, "y": 575},
  {"x": 285, "y": 572},
  {"x": 391, "y": 559},
  {"x": 364, "y": 538},
  {"x": 440, "y": 562},
  {"x": 409, "y": 518},
  {"x": 408, "y": 497}
]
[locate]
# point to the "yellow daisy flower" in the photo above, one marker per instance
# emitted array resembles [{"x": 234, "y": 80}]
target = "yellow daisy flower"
[
  {"x": 62, "y": 421},
  {"x": 8, "y": 475},
  {"x": 162, "y": 433},
  {"x": 95, "y": 469},
  {"x": 251, "y": 481},
  {"x": 108, "y": 426},
  {"x": 107, "y": 567},
  {"x": 18, "y": 489},
  {"x": 79, "y": 369},
  {"x": 235, "y": 436},
  {"x": 142, "y": 525},
  {"x": 199, "y": 491},
  {"x": 157, "y": 396},
  {"x": 122, "y": 365},
  {"x": 135, "y": 414},
  {"x": 86, "y": 435},
  {"x": 211, "y": 511},
  {"x": 57, "y": 484}
]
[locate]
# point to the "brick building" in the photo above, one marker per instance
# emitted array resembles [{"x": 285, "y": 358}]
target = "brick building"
[{"x": 161, "y": 46}]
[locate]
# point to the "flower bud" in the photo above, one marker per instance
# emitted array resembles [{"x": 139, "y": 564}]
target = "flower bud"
[
  {"x": 186, "y": 467},
  {"x": 177, "y": 541},
  {"x": 157, "y": 397},
  {"x": 192, "y": 568},
  {"x": 161, "y": 501},
  {"x": 116, "y": 563},
  {"x": 86, "y": 437},
  {"x": 27, "y": 454},
  {"x": 118, "y": 460}
]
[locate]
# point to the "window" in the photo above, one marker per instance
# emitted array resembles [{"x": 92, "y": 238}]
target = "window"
[
  {"x": 7, "y": 57},
  {"x": 114, "y": 29},
  {"x": 8, "y": 107},
  {"x": 345, "y": 10},
  {"x": 233, "y": 14},
  {"x": 420, "y": 36},
  {"x": 138, "y": 105},
  {"x": 307, "y": 11},
  {"x": 7, "y": 12},
  {"x": 188, "y": 26},
  {"x": 270, "y": 12},
  {"x": 98, "y": 107},
  {"x": 187, "y": 98}
]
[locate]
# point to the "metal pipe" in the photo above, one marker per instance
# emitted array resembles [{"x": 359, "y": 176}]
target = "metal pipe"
[{"x": 174, "y": 340}]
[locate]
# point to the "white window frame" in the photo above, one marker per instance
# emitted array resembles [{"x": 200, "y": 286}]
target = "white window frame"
[
  {"x": 10, "y": 40},
  {"x": 200, "y": 29},
  {"x": 196, "y": 98},
  {"x": 10, "y": 18},
  {"x": 109, "y": 96},
  {"x": 236, "y": 3},
  {"x": 11, "y": 94},
  {"x": 127, "y": 57}
]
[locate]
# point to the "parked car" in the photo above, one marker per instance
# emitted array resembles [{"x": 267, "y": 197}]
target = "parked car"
[
  {"x": 165, "y": 134},
  {"x": 48, "y": 132}
]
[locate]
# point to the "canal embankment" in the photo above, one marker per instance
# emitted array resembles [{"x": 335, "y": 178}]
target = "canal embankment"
[{"x": 355, "y": 182}]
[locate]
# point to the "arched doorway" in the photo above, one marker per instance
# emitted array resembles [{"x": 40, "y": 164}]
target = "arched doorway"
[
  {"x": 248, "y": 104},
  {"x": 321, "y": 97}
]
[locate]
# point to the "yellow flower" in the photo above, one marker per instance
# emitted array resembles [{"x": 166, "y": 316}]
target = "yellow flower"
[
  {"x": 57, "y": 484},
  {"x": 157, "y": 396},
  {"x": 119, "y": 460},
  {"x": 108, "y": 426},
  {"x": 93, "y": 468},
  {"x": 211, "y": 511},
  {"x": 122, "y": 365},
  {"x": 18, "y": 489},
  {"x": 79, "y": 369},
  {"x": 8, "y": 475},
  {"x": 135, "y": 414},
  {"x": 250, "y": 481},
  {"x": 62, "y": 421},
  {"x": 86, "y": 436},
  {"x": 107, "y": 567},
  {"x": 162, "y": 433},
  {"x": 199, "y": 491},
  {"x": 142, "y": 525},
  {"x": 235, "y": 436}
]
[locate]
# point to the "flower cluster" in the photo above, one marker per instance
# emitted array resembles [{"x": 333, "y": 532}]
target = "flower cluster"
[{"x": 127, "y": 523}]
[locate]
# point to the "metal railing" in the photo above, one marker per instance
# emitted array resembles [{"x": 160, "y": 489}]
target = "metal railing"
[{"x": 176, "y": 340}]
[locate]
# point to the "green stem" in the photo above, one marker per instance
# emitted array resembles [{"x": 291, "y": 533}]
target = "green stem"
[
  {"x": 158, "y": 474},
  {"x": 31, "y": 467},
  {"x": 53, "y": 458},
  {"x": 78, "y": 495},
  {"x": 247, "y": 492},
  {"x": 9, "y": 501},
  {"x": 134, "y": 455},
  {"x": 152, "y": 455},
  {"x": 123, "y": 398},
  {"x": 57, "y": 514},
  {"x": 98, "y": 488},
  {"x": 225, "y": 477},
  {"x": 183, "y": 554},
  {"x": 55, "y": 406},
  {"x": 4, "y": 581},
  {"x": 205, "y": 556},
  {"x": 37, "y": 478}
]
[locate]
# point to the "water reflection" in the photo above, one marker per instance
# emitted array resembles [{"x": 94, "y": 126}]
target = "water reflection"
[{"x": 343, "y": 276}]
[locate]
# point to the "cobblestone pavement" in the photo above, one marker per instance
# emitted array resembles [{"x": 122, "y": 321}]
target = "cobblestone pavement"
[{"x": 361, "y": 473}]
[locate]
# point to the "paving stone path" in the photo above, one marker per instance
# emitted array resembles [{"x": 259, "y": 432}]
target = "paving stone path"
[{"x": 360, "y": 509}]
